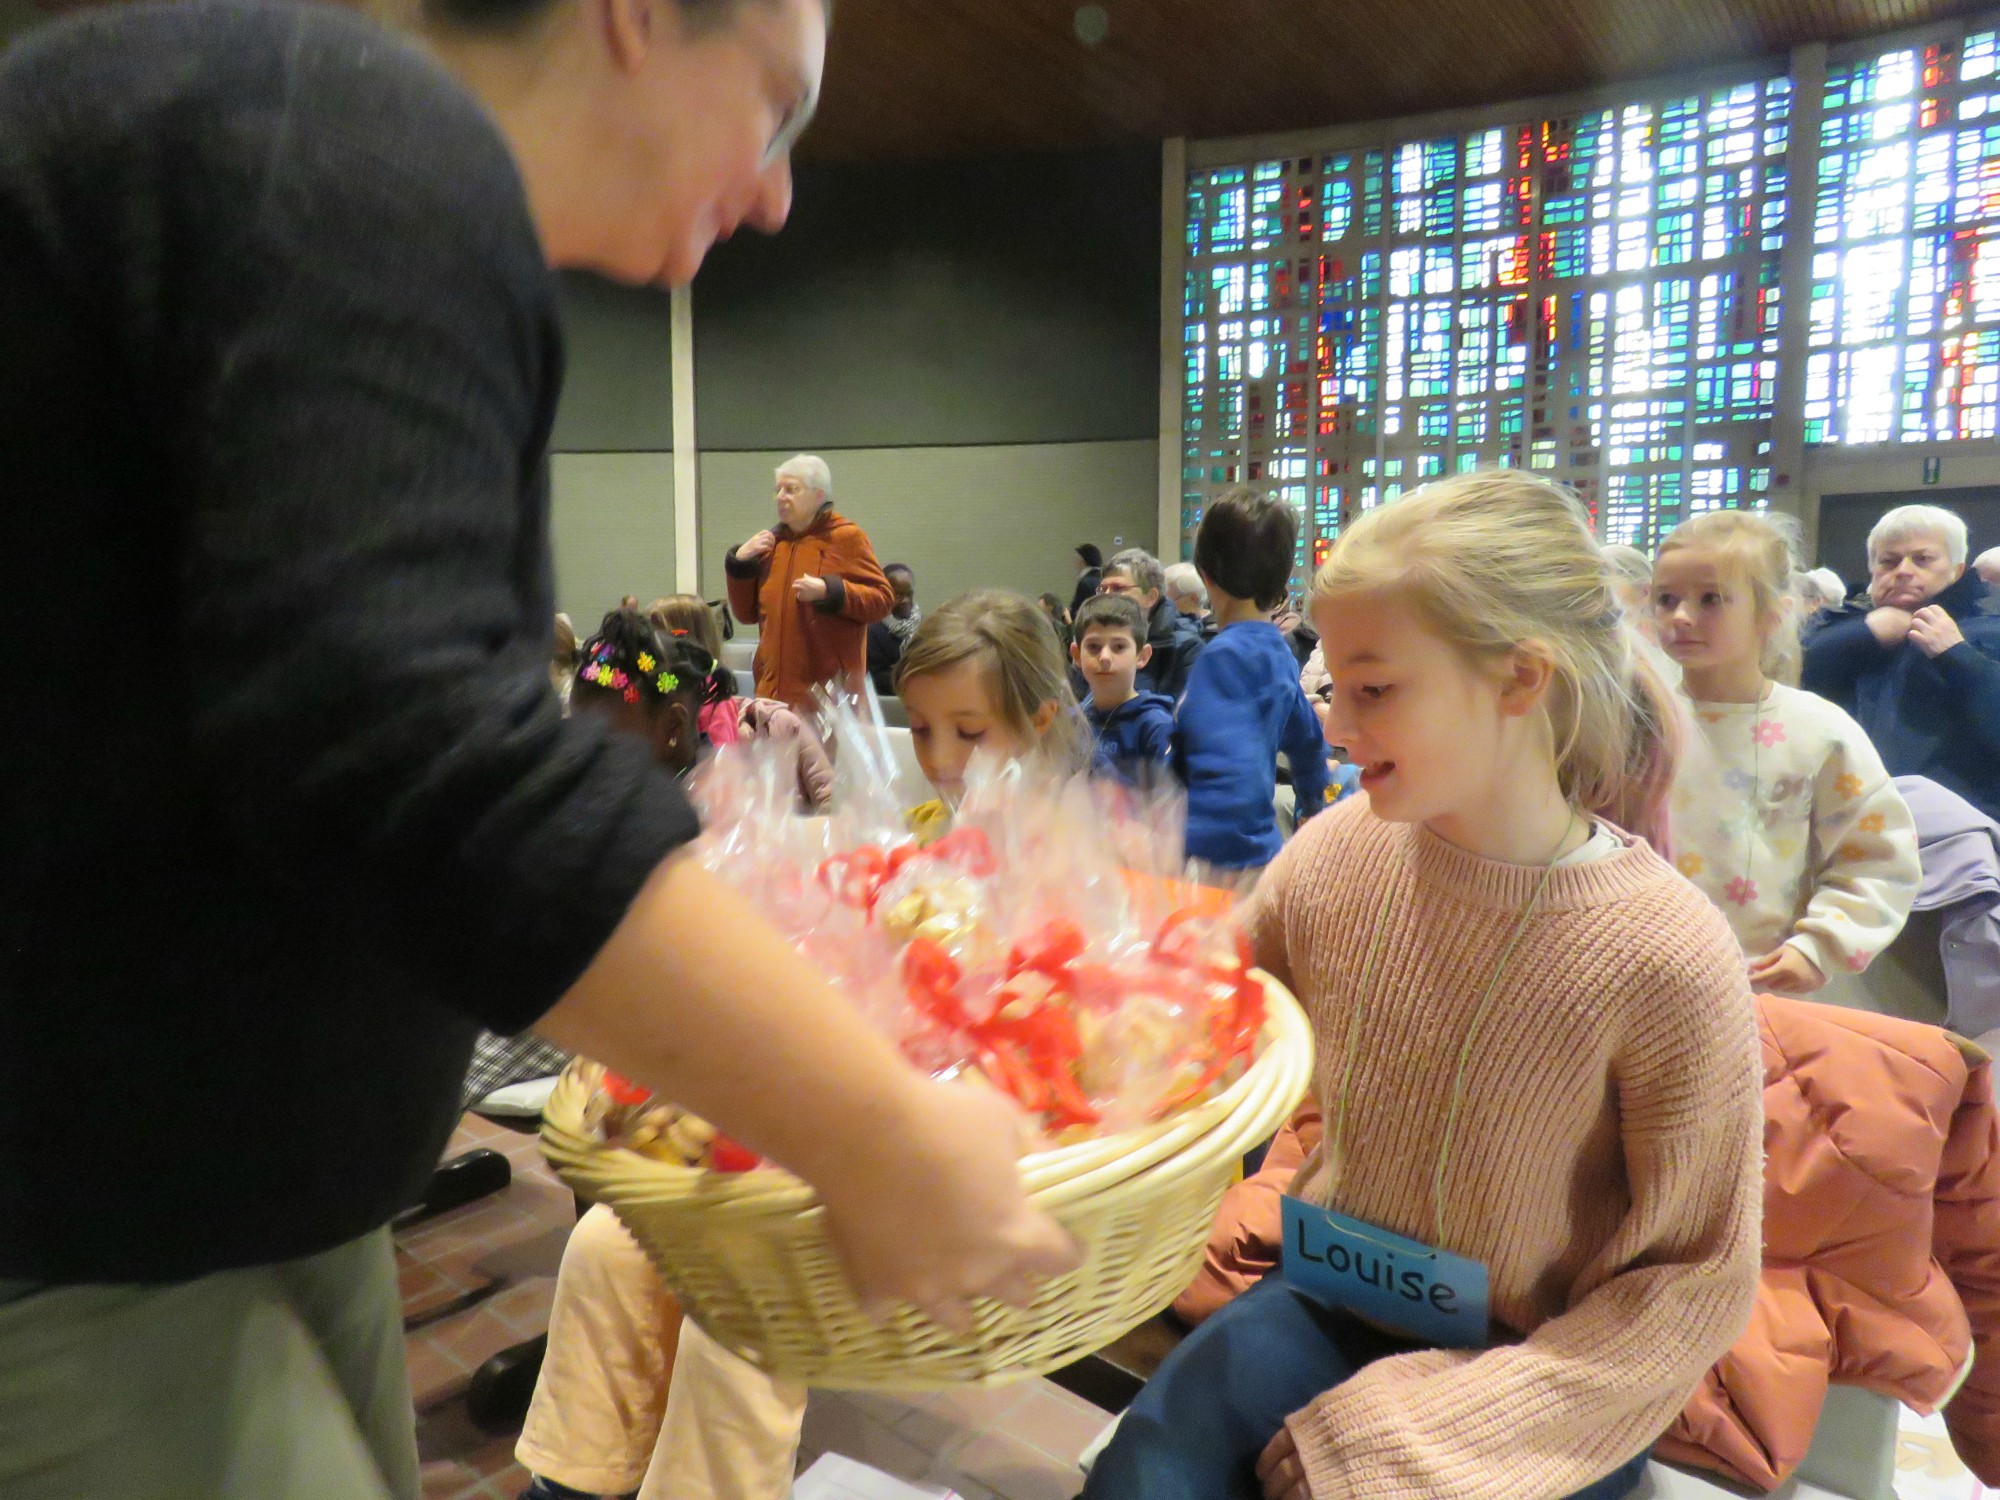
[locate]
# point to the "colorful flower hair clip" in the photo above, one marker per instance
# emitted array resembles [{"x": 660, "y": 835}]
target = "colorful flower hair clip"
[
  {"x": 646, "y": 662},
  {"x": 668, "y": 683},
  {"x": 631, "y": 695}
]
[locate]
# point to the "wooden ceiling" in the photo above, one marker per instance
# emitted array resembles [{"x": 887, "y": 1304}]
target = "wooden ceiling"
[
  {"x": 946, "y": 77},
  {"x": 929, "y": 78}
]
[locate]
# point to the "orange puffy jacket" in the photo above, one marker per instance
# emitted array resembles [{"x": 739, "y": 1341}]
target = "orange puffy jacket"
[
  {"x": 1881, "y": 1241},
  {"x": 800, "y": 645}
]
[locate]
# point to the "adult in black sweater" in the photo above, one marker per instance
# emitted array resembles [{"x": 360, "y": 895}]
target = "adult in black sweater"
[{"x": 281, "y": 358}]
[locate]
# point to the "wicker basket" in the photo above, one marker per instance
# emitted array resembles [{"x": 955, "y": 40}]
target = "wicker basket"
[{"x": 751, "y": 1261}]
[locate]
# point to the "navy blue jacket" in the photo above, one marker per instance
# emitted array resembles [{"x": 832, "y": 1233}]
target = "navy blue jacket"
[
  {"x": 1243, "y": 705},
  {"x": 1176, "y": 642},
  {"x": 1134, "y": 739},
  {"x": 1937, "y": 717}
]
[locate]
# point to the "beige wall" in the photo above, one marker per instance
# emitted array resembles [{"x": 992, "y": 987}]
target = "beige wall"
[
  {"x": 1006, "y": 516},
  {"x": 612, "y": 524},
  {"x": 1891, "y": 466}
]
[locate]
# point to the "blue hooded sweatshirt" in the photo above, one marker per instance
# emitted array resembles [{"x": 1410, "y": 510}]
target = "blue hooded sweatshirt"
[
  {"x": 1133, "y": 740},
  {"x": 1242, "y": 706}
]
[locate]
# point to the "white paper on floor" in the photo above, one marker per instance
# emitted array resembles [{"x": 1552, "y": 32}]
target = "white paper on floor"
[{"x": 837, "y": 1478}]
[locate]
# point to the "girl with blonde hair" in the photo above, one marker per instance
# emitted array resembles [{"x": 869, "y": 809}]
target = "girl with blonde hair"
[
  {"x": 633, "y": 1399},
  {"x": 1533, "y": 1222},
  {"x": 1784, "y": 817}
]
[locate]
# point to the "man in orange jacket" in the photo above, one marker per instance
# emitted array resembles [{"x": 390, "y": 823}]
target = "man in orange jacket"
[{"x": 813, "y": 587}]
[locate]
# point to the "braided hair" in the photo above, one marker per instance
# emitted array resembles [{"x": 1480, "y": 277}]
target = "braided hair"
[{"x": 630, "y": 658}]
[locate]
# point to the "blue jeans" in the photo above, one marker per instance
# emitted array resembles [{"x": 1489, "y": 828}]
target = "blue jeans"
[{"x": 1199, "y": 1426}]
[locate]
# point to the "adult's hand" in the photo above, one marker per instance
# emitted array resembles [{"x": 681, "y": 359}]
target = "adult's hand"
[
  {"x": 809, "y": 589},
  {"x": 1281, "y": 1471},
  {"x": 1890, "y": 626},
  {"x": 696, "y": 996},
  {"x": 1785, "y": 971},
  {"x": 758, "y": 547},
  {"x": 1934, "y": 630},
  {"x": 937, "y": 1216}
]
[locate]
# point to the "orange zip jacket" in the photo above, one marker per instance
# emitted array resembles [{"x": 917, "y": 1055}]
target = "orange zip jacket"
[{"x": 804, "y": 645}]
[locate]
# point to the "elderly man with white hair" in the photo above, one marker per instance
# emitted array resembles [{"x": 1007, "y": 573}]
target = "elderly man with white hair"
[
  {"x": 812, "y": 586},
  {"x": 1918, "y": 664},
  {"x": 1188, "y": 594}
]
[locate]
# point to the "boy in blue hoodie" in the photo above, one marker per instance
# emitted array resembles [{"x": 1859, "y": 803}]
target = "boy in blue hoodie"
[
  {"x": 1134, "y": 730},
  {"x": 1243, "y": 703}
]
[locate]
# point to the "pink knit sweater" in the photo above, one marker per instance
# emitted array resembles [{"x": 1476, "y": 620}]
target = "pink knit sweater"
[{"x": 1606, "y": 1164}]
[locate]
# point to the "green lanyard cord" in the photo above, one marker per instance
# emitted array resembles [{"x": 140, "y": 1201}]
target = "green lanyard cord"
[{"x": 1334, "y": 1158}]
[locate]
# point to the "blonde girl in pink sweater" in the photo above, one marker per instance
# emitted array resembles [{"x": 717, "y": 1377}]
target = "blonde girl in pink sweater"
[{"x": 1534, "y": 1222}]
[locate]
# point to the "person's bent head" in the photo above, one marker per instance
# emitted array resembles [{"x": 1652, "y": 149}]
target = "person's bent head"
[
  {"x": 804, "y": 489},
  {"x": 903, "y": 584},
  {"x": 1915, "y": 553},
  {"x": 1088, "y": 557},
  {"x": 647, "y": 685},
  {"x": 984, "y": 674},
  {"x": 1987, "y": 566},
  {"x": 688, "y": 618},
  {"x": 1185, "y": 590},
  {"x": 1136, "y": 572},
  {"x": 1822, "y": 588},
  {"x": 645, "y": 130}
]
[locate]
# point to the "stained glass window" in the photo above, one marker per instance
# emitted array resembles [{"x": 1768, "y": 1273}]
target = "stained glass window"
[
  {"x": 1593, "y": 296},
  {"x": 1905, "y": 330}
]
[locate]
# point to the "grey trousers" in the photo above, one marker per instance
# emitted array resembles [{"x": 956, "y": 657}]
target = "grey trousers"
[{"x": 281, "y": 1382}]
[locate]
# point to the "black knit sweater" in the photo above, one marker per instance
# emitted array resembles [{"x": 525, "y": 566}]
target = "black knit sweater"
[{"x": 287, "y": 807}]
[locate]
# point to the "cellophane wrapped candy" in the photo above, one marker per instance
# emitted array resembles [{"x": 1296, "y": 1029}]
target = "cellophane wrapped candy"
[{"x": 1044, "y": 940}]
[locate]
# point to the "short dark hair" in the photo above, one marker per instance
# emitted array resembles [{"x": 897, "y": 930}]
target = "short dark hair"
[
  {"x": 904, "y": 568},
  {"x": 1246, "y": 546},
  {"x": 1092, "y": 558},
  {"x": 1114, "y": 611}
]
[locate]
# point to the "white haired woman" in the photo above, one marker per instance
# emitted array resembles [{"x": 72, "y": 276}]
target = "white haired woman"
[{"x": 812, "y": 586}]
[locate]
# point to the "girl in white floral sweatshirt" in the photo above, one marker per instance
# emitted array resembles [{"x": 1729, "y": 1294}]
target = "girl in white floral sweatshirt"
[{"x": 1788, "y": 822}]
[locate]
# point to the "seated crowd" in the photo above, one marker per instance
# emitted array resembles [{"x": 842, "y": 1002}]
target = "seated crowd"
[{"x": 1598, "y": 784}]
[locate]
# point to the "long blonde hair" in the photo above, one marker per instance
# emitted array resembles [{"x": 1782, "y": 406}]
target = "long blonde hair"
[
  {"x": 1763, "y": 551},
  {"x": 684, "y": 614},
  {"x": 1014, "y": 643},
  {"x": 1499, "y": 559}
]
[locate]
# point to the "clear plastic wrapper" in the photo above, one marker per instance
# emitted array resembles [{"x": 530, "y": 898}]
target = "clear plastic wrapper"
[{"x": 1044, "y": 938}]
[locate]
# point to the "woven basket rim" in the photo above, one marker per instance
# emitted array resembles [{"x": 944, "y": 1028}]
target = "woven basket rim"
[{"x": 1052, "y": 1177}]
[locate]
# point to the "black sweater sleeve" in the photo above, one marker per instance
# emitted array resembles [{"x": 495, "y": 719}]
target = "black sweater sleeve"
[{"x": 349, "y": 335}]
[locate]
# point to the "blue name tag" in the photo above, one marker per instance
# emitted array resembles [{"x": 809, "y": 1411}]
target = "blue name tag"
[{"x": 1400, "y": 1285}]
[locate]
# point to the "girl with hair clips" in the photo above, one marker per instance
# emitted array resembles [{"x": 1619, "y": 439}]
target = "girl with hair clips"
[
  {"x": 1533, "y": 1223},
  {"x": 727, "y": 719}
]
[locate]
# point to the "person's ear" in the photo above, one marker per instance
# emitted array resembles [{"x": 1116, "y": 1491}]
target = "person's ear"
[
  {"x": 1045, "y": 716},
  {"x": 1526, "y": 673},
  {"x": 1958, "y": 572},
  {"x": 1076, "y": 653},
  {"x": 675, "y": 736},
  {"x": 1145, "y": 654},
  {"x": 630, "y": 28}
]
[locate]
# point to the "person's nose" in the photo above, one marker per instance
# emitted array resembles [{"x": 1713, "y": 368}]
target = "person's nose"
[{"x": 774, "y": 197}]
